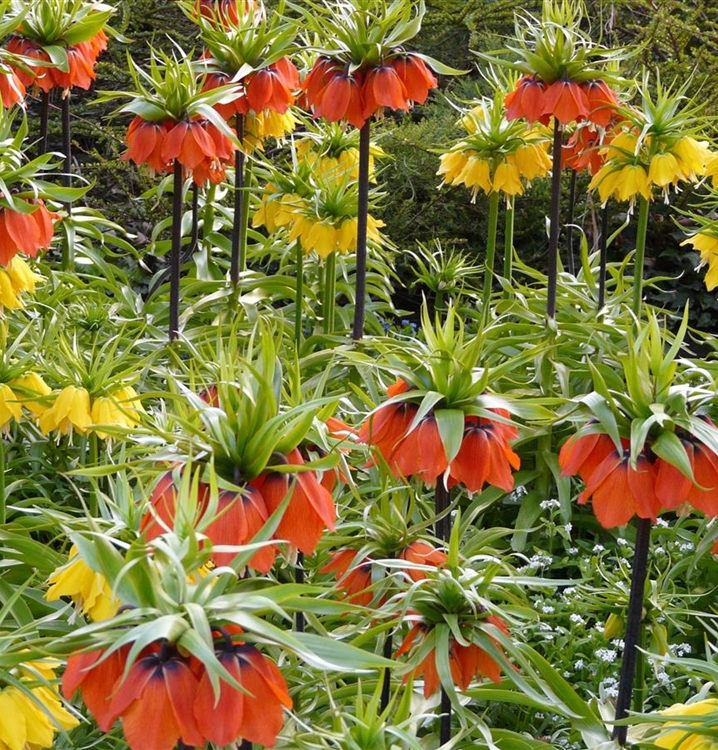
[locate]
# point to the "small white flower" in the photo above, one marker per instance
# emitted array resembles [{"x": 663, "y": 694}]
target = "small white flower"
[
  {"x": 598, "y": 548},
  {"x": 568, "y": 527},
  {"x": 573, "y": 550},
  {"x": 549, "y": 504},
  {"x": 682, "y": 649},
  {"x": 547, "y": 609},
  {"x": 623, "y": 542},
  {"x": 576, "y": 619},
  {"x": 606, "y": 654},
  {"x": 579, "y": 664},
  {"x": 659, "y": 551}
]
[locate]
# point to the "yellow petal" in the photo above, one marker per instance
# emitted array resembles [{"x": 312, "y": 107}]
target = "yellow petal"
[
  {"x": 13, "y": 725},
  {"x": 9, "y": 405}
]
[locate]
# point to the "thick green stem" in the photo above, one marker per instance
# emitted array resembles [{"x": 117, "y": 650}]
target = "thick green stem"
[
  {"x": 490, "y": 253},
  {"x": 638, "y": 261},
  {"x": 554, "y": 221},
  {"x": 175, "y": 251},
  {"x": 94, "y": 453},
  {"x": 68, "y": 249},
  {"x": 631, "y": 641},
  {"x": 240, "y": 217},
  {"x": 329, "y": 300},
  {"x": 362, "y": 218},
  {"x": 299, "y": 294},
  {"x": 509, "y": 239}
]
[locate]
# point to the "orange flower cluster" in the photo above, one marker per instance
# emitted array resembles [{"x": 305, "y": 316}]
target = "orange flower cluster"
[
  {"x": 197, "y": 144},
  {"x": 465, "y": 661},
  {"x": 485, "y": 456},
  {"x": 166, "y": 697},
  {"x": 272, "y": 88},
  {"x": 567, "y": 101},
  {"x": 335, "y": 93},
  {"x": 25, "y": 232},
  {"x": 619, "y": 491},
  {"x": 242, "y": 513},
  {"x": 354, "y": 578},
  {"x": 81, "y": 59}
]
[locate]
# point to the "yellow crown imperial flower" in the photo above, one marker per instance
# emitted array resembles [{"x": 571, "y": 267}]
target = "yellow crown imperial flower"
[
  {"x": 87, "y": 589},
  {"x": 9, "y": 298},
  {"x": 451, "y": 165},
  {"x": 507, "y": 179},
  {"x": 10, "y": 407},
  {"x": 23, "y": 724},
  {"x": 29, "y": 385},
  {"x": 683, "y": 738},
  {"x": 694, "y": 155},
  {"x": 71, "y": 410},
  {"x": 22, "y": 277},
  {"x": 707, "y": 245},
  {"x": 664, "y": 170},
  {"x": 120, "y": 409},
  {"x": 29, "y": 719},
  {"x": 476, "y": 175},
  {"x": 633, "y": 182},
  {"x": 531, "y": 160}
]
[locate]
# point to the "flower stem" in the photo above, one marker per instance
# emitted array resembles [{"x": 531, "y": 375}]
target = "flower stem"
[
  {"x": 68, "y": 249},
  {"x": 445, "y": 725},
  {"x": 570, "y": 264},
  {"x": 195, "y": 219},
  {"x": 442, "y": 500},
  {"x": 175, "y": 250},
  {"x": 638, "y": 261},
  {"x": 603, "y": 258},
  {"x": 554, "y": 220},
  {"x": 44, "y": 120},
  {"x": 94, "y": 452},
  {"x": 299, "y": 621},
  {"x": 362, "y": 216},
  {"x": 490, "y": 253},
  {"x": 509, "y": 239},
  {"x": 386, "y": 677},
  {"x": 330, "y": 286},
  {"x": 240, "y": 217},
  {"x": 633, "y": 627},
  {"x": 299, "y": 293}
]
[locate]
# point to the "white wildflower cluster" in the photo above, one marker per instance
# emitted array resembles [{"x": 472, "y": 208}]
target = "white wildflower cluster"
[
  {"x": 547, "y": 609},
  {"x": 685, "y": 546},
  {"x": 682, "y": 649},
  {"x": 576, "y": 619},
  {"x": 609, "y": 687},
  {"x": 598, "y": 548},
  {"x": 549, "y": 504},
  {"x": 537, "y": 562},
  {"x": 606, "y": 654}
]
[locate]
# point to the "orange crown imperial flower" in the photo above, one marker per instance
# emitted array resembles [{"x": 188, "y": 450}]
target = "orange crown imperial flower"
[{"x": 27, "y": 233}]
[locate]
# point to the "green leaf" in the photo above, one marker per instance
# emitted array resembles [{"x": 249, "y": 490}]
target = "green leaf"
[
  {"x": 669, "y": 447},
  {"x": 451, "y": 429}
]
